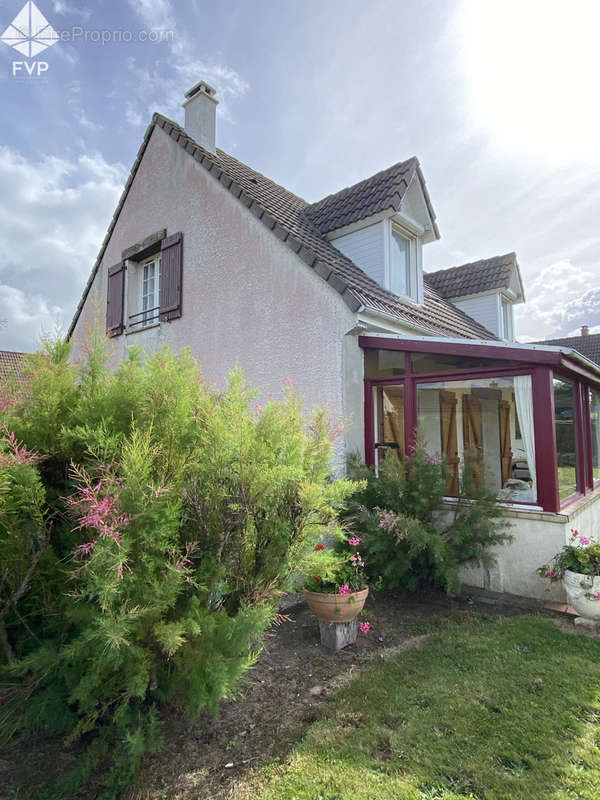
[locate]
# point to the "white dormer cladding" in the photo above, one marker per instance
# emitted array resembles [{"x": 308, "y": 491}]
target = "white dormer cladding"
[
  {"x": 385, "y": 244},
  {"x": 493, "y": 310}
]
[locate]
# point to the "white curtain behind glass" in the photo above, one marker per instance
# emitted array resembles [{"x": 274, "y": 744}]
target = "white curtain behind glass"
[{"x": 524, "y": 403}]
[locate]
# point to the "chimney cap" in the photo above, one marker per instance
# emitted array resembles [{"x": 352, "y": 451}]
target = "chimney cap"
[
  {"x": 201, "y": 86},
  {"x": 585, "y": 330}
]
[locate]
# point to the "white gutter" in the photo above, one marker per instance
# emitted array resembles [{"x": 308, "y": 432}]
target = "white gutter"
[{"x": 371, "y": 312}]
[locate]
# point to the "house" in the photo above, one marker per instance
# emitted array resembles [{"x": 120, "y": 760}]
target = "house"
[
  {"x": 206, "y": 252},
  {"x": 588, "y": 344}
]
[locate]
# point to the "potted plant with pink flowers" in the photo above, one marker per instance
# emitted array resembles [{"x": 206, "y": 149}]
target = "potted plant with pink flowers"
[
  {"x": 577, "y": 565},
  {"x": 335, "y": 585}
]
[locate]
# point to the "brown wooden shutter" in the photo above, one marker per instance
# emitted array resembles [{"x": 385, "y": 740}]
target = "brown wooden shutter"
[
  {"x": 449, "y": 440},
  {"x": 472, "y": 436},
  {"x": 115, "y": 299},
  {"x": 171, "y": 274}
]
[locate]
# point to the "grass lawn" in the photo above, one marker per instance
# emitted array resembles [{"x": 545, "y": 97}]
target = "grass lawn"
[
  {"x": 567, "y": 484},
  {"x": 490, "y": 709}
]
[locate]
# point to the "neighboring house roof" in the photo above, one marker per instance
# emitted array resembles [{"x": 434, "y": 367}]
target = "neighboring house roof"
[
  {"x": 284, "y": 213},
  {"x": 11, "y": 363},
  {"x": 588, "y": 346},
  {"x": 484, "y": 275},
  {"x": 380, "y": 192}
]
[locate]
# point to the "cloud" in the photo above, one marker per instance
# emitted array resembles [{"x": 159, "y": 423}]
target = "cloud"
[
  {"x": 55, "y": 215},
  {"x": 132, "y": 115},
  {"x": 155, "y": 14},
  {"x": 66, "y": 9},
  {"x": 560, "y": 301},
  {"x": 74, "y": 102}
]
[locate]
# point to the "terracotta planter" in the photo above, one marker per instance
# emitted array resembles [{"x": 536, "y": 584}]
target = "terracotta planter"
[
  {"x": 336, "y": 607},
  {"x": 577, "y": 586}
]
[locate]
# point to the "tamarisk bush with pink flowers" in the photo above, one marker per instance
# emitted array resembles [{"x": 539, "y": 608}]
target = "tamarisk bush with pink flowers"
[{"x": 148, "y": 524}]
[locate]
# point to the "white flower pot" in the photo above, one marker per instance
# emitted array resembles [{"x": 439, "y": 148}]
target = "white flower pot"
[{"x": 577, "y": 586}]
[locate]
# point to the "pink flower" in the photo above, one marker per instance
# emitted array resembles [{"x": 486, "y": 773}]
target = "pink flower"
[
  {"x": 380, "y": 639},
  {"x": 353, "y": 559},
  {"x": 83, "y": 550},
  {"x": 584, "y": 540},
  {"x": 433, "y": 458},
  {"x": 92, "y": 511},
  {"x": 344, "y": 589},
  {"x": 574, "y": 533},
  {"x": 354, "y": 541},
  {"x": 387, "y": 520},
  {"x": 17, "y": 452},
  {"x": 365, "y": 627},
  {"x": 550, "y": 574},
  {"x": 596, "y": 596}
]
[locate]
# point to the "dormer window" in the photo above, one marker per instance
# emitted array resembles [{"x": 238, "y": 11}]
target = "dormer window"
[
  {"x": 403, "y": 276},
  {"x": 401, "y": 281},
  {"x": 507, "y": 320}
]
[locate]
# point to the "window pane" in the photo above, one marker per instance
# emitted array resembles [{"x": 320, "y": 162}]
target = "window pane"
[
  {"x": 564, "y": 423},
  {"x": 434, "y": 362},
  {"x": 400, "y": 263},
  {"x": 595, "y": 421},
  {"x": 389, "y": 410},
  {"x": 150, "y": 291},
  {"x": 483, "y": 428},
  {"x": 384, "y": 363}
]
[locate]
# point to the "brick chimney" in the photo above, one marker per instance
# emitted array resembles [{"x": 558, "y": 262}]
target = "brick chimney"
[
  {"x": 585, "y": 330},
  {"x": 201, "y": 114}
]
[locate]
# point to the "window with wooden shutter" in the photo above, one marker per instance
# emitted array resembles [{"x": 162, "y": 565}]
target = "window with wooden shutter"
[
  {"x": 115, "y": 299},
  {"x": 171, "y": 277}
]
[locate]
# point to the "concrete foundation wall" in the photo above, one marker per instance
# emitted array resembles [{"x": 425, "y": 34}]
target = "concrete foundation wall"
[{"x": 537, "y": 537}]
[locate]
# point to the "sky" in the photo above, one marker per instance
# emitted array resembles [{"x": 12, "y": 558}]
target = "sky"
[{"x": 498, "y": 100}]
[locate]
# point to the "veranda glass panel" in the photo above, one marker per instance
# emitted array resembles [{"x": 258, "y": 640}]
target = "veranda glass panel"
[
  {"x": 384, "y": 363},
  {"x": 484, "y": 428},
  {"x": 564, "y": 423},
  {"x": 389, "y": 422},
  {"x": 595, "y": 421},
  {"x": 437, "y": 362}
]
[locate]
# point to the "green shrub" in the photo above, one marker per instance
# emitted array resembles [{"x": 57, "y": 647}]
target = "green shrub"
[
  {"x": 405, "y": 541},
  {"x": 148, "y": 525}
]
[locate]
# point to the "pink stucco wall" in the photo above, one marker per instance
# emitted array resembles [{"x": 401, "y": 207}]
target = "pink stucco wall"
[{"x": 247, "y": 299}]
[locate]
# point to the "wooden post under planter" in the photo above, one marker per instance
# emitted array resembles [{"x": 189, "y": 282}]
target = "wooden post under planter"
[
  {"x": 337, "y": 615},
  {"x": 337, "y": 635}
]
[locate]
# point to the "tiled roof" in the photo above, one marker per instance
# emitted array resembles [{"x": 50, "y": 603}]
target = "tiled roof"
[
  {"x": 283, "y": 213},
  {"x": 475, "y": 277},
  {"x": 11, "y": 363},
  {"x": 380, "y": 192},
  {"x": 588, "y": 346}
]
